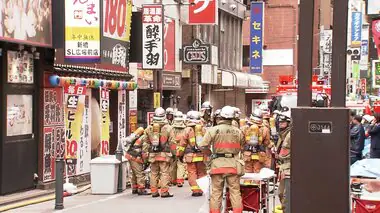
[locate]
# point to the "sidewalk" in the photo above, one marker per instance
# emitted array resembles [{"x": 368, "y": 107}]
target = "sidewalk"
[{"x": 22, "y": 196}]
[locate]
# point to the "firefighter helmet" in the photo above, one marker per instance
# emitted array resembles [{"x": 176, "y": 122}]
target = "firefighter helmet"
[
  {"x": 193, "y": 116},
  {"x": 206, "y": 105},
  {"x": 227, "y": 112},
  {"x": 159, "y": 114},
  {"x": 217, "y": 113},
  {"x": 178, "y": 116},
  {"x": 285, "y": 115},
  {"x": 170, "y": 111}
]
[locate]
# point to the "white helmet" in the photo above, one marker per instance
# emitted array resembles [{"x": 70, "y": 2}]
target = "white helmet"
[
  {"x": 178, "y": 116},
  {"x": 217, "y": 113},
  {"x": 206, "y": 105},
  {"x": 227, "y": 112},
  {"x": 170, "y": 111},
  {"x": 193, "y": 116},
  {"x": 285, "y": 115},
  {"x": 159, "y": 114}
]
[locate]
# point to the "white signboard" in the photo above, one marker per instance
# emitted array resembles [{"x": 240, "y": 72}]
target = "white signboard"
[
  {"x": 19, "y": 115},
  {"x": 260, "y": 104},
  {"x": 133, "y": 94},
  {"x": 84, "y": 146},
  {"x": 278, "y": 57},
  {"x": 122, "y": 124},
  {"x": 153, "y": 37},
  {"x": 373, "y": 7}
]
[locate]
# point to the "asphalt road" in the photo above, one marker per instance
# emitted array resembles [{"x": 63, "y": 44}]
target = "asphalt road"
[{"x": 125, "y": 202}]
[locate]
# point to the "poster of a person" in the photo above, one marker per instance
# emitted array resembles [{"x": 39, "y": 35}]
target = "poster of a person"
[{"x": 26, "y": 20}]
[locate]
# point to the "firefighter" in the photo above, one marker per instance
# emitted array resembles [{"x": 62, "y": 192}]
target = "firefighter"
[
  {"x": 283, "y": 158},
  {"x": 170, "y": 115},
  {"x": 265, "y": 131},
  {"x": 177, "y": 168},
  {"x": 190, "y": 152},
  {"x": 134, "y": 155},
  {"x": 216, "y": 117},
  {"x": 254, "y": 150},
  {"x": 225, "y": 142},
  {"x": 206, "y": 114},
  {"x": 235, "y": 121},
  {"x": 156, "y": 147}
]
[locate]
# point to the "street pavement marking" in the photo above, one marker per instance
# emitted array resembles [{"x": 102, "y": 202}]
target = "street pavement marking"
[{"x": 92, "y": 202}]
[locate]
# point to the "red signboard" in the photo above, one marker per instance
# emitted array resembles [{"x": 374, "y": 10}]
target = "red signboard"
[
  {"x": 202, "y": 12},
  {"x": 169, "y": 45},
  {"x": 363, "y": 86}
]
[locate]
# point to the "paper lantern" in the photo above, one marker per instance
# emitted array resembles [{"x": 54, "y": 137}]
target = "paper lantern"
[
  {"x": 97, "y": 83},
  {"x": 54, "y": 80}
]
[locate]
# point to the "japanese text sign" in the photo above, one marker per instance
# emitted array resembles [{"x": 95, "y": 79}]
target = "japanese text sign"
[
  {"x": 203, "y": 12},
  {"x": 156, "y": 100},
  {"x": 116, "y": 32},
  {"x": 356, "y": 29},
  {"x": 363, "y": 86},
  {"x": 105, "y": 122},
  {"x": 82, "y": 31},
  {"x": 256, "y": 37},
  {"x": 74, "y": 107},
  {"x": 169, "y": 45},
  {"x": 153, "y": 36},
  {"x": 149, "y": 118}
]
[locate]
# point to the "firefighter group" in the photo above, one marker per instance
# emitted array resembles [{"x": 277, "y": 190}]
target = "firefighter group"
[{"x": 220, "y": 143}]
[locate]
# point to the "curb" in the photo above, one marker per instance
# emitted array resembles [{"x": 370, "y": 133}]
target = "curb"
[{"x": 37, "y": 200}]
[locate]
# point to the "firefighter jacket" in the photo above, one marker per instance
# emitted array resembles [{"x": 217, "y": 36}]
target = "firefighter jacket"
[
  {"x": 265, "y": 133},
  {"x": 235, "y": 123},
  {"x": 176, "y": 136},
  {"x": 225, "y": 142},
  {"x": 253, "y": 148},
  {"x": 156, "y": 144},
  {"x": 134, "y": 153},
  {"x": 283, "y": 147},
  {"x": 189, "y": 145}
]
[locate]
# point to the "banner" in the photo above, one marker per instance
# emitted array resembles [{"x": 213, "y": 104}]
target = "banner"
[
  {"x": 153, "y": 36},
  {"x": 169, "y": 45},
  {"x": 53, "y": 131},
  {"x": 376, "y": 35},
  {"x": 122, "y": 124},
  {"x": 156, "y": 100},
  {"x": 356, "y": 29},
  {"x": 74, "y": 108},
  {"x": 203, "y": 12},
  {"x": 116, "y": 32},
  {"x": 376, "y": 73},
  {"x": 105, "y": 119},
  {"x": 82, "y": 31},
  {"x": 256, "y": 37},
  {"x": 132, "y": 120},
  {"x": 84, "y": 146}
]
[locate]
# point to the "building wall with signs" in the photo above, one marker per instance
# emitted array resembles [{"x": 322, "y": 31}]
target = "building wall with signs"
[{"x": 280, "y": 35}]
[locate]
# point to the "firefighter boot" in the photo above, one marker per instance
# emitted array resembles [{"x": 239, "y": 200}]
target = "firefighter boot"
[
  {"x": 166, "y": 194},
  {"x": 143, "y": 192}
]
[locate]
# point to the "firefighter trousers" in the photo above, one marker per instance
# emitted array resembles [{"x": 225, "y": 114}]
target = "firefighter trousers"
[
  {"x": 284, "y": 194},
  {"x": 159, "y": 173},
  {"x": 138, "y": 176},
  {"x": 173, "y": 170},
  {"x": 217, "y": 185},
  {"x": 195, "y": 171},
  {"x": 181, "y": 172}
]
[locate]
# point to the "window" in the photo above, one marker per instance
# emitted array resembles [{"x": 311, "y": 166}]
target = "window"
[{"x": 246, "y": 56}]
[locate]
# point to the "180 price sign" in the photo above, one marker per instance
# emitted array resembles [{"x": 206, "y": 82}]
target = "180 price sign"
[{"x": 115, "y": 18}]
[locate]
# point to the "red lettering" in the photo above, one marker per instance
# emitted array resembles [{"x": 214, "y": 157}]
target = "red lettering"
[
  {"x": 105, "y": 147},
  {"x": 115, "y": 17}
]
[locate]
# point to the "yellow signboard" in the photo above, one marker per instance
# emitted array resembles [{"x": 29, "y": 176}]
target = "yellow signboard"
[{"x": 156, "y": 100}]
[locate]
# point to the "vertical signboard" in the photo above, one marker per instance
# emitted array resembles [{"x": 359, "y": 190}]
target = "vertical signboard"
[
  {"x": 116, "y": 32},
  {"x": 169, "y": 45},
  {"x": 376, "y": 34},
  {"x": 149, "y": 117},
  {"x": 363, "y": 86},
  {"x": 156, "y": 100},
  {"x": 132, "y": 120},
  {"x": 256, "y": 37},
  {"x": 356, "y": 29},
  {"x": 326, "y": 52},
  {"x": 82, "y": 31},
  {"x": 122, "y": 108},
  {"x": 203, "y": 12},
  {"x": 105, "y": 122},
  {"x": 53, "y": 132},
  {"x": 84, "y": 146},
  {"x": 153, "y": 37},
  {"x": 74, "y": 107}
]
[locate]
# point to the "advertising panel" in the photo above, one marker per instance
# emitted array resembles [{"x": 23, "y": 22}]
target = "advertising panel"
[{"x": 256, "y": 38}]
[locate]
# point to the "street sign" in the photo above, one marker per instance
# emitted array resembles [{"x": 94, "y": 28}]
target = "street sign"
[
  {"x": 197, "y": 53},
  {"x": 203, "y": 12}
]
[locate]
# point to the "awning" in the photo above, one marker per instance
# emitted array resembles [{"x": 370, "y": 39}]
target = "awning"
[{"x": 243, "y": 80}]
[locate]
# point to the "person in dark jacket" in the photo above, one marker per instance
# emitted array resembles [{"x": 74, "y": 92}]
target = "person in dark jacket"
[
  {"x": 357, "y": 136},
  {"x": 374, "y": 132}
]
